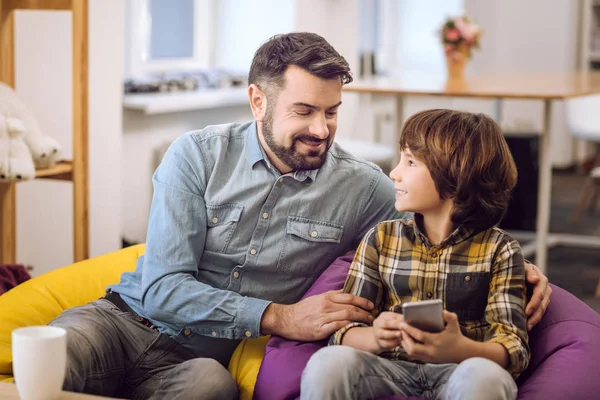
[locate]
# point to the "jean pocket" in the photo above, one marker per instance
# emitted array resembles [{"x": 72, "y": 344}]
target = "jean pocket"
[
  {"x": 222, "y": 220},
  {"x": 304, "y": 237}
]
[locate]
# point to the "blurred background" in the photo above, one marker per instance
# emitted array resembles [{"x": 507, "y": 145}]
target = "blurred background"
[{"x": 160, "y": 68}]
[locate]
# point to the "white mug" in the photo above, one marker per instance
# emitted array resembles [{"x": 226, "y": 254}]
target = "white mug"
[{"x": 39, "y": 361}]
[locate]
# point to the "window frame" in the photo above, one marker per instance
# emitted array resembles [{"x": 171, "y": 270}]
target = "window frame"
[{"x": 139, "y": 35}]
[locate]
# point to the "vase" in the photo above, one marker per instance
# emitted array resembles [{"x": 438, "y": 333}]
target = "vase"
[{"x": 456, "y": 62}]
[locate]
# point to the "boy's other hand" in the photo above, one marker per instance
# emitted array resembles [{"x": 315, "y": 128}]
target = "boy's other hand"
[
  {"x": 540, "y": 298},
  {"x": 438, "y": 348},
  {"x": 386, "y": 330}
]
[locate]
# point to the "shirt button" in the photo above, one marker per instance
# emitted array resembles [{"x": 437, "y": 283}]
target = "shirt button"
[
  {"x": 248, "y": 333},
  {"x": 215, "y": 220},
  {"x": 314, "y": 234},
  {"x": 236, "y": 274},
  {"x": 467, "y": 278},
  {"x": 186, "y": 332},
  {"x": 434, "y": 254},
  {"x": 265, "y": 215},
  {"x": 280, "y": 179},
  {"x": 429, "y": 295},
  {"x": 253, "y": 251},
  {"x": 214, "y": 334}
]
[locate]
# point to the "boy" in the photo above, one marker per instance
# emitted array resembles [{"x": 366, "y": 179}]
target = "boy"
[{"x": 455, "y": 174}]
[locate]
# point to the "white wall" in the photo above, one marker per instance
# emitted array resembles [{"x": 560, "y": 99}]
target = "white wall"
[
  {"x": 531, "y": 37},
  {"x": 241, "y": 29},
  {"x": 43, "y": 81}
]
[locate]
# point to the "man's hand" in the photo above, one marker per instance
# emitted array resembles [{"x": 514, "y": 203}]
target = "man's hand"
[
  {"x": 438, "y": 348},
  {"x": 540, "y": 298},
  {"x": 386, "y": 330},
  {"x": 315, "y": 317}
]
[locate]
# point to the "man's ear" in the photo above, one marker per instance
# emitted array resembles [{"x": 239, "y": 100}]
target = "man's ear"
[{"x": 258, "y": 102}]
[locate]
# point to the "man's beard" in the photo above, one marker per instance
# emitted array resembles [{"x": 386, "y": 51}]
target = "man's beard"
[{"x": 288, "y": 155}]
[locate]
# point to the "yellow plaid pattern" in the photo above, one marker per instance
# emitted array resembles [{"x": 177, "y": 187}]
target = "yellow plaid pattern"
[{"x": 478, "y": 275}]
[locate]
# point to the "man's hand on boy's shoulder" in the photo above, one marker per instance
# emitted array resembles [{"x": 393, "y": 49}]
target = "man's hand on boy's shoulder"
[{"x": 540, "y": 299}]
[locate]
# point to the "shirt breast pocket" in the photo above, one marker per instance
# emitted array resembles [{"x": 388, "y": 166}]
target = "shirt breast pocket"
[
  {"x": 309, "y": 246},
  {"x": 467, "y": 294},
  {"x": 222, "y": 220}
]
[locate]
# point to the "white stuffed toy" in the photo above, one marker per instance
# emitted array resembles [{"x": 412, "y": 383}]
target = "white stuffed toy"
[
  {"x": 19, "y": 128},
  {"x": 15, "y": 158}
]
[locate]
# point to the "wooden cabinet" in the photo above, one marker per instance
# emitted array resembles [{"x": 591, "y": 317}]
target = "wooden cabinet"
[{"x": 75, "y": 170}]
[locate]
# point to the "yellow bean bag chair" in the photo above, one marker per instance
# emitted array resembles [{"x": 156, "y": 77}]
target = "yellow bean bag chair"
[{"x": 41, "y": 299}]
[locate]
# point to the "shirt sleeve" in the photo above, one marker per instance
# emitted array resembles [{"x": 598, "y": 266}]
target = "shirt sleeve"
[
  {"x": 505, "y": 311},
  {"x": 363, "y": 280},
  {"x": 174, "y": 246}
]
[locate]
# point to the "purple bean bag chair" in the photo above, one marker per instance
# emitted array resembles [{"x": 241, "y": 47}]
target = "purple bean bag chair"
[{"x": 565, "y": 349}]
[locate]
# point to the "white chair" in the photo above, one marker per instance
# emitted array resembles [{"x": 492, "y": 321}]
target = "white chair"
[
  {"x": 377, "y": 153},
  {"x": 583, "y": 120}
]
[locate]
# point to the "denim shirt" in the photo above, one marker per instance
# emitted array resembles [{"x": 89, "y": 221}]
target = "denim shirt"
[{"x": 228, "y": 234}]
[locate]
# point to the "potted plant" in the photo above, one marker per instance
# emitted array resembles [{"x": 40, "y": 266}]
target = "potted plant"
[{"x": 459, "y": 36}]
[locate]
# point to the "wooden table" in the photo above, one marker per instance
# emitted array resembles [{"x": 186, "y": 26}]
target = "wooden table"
[
  {"x": 544, "y": 87},
  {"x": 8, "y": 391}
]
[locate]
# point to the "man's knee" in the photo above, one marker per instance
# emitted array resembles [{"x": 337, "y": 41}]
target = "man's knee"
[
  {"x": 205, "y": 378},
  {"x": 477, "y": 376}
]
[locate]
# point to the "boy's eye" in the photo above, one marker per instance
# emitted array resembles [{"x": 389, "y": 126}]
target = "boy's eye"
[
  {"x": 411, "y": 163},
  {"x": 303, "y": 113},
  {"x": 331, "y": 114}
]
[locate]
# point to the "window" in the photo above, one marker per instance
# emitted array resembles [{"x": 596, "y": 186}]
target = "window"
[
  {"x": 168, "y": 36},
  {"x": 171, "y": 29},
  {"x": 187, "y": 35}
]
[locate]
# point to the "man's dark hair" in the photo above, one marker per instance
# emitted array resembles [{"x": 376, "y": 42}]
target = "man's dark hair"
[
  {"x": 469, "y": 162},
  {"x": 306, "y": 50}
]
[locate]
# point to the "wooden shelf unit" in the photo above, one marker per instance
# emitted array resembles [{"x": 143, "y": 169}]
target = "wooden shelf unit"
[
  {"x": 75, "y": 171},
  {"x": 61, "y": 171}
]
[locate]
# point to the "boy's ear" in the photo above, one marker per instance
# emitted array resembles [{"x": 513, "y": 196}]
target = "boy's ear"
[{"x": 258, "y": 102}]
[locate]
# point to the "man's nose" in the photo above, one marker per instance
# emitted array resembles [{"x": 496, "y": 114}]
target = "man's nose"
[{"x": 319, "y": 128}]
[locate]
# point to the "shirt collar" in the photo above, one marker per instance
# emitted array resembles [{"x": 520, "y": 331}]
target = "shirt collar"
[
  {"x": 458, "y": 235},
  {"x": 255, "y": 153}
]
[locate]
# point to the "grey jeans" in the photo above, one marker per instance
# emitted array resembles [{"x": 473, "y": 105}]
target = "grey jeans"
[
  {"x": 110, "y": 353},
  {"x": 342, "y": 372}
]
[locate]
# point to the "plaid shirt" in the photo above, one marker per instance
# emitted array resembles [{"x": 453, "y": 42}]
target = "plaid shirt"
[{"x": 478, "y": 275}]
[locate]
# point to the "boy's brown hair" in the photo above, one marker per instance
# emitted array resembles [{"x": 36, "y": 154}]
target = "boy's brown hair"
[{"x": 469, "y": 161}]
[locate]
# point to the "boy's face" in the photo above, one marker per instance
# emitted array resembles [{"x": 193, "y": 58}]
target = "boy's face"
[{"x": 415, "y": 189}]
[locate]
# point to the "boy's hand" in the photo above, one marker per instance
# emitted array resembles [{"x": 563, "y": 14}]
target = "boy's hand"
[
  {"x": 386, "y": 330},
  {"x": 437, "y": 348}
]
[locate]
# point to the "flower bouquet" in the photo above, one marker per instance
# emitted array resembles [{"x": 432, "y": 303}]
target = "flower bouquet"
[{"x": 459, "y": 36}]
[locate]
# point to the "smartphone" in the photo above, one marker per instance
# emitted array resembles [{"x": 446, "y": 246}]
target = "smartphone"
[{"x": 425, "y": 315}]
